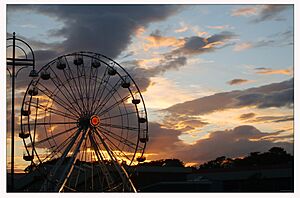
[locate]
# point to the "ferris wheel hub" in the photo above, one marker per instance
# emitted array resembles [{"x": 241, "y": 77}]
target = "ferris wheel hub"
[
  {"x": 95, "y": 120},
  {"x": 89, "y": 121}
]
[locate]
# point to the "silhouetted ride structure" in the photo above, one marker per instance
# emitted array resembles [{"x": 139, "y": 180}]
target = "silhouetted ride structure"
[{"x": 83, "y": 121}]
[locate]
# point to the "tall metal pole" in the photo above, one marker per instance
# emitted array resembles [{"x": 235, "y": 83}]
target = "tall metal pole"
[
  {"x": 21, "y": 63},
  {"x": 13, "y": 115}
]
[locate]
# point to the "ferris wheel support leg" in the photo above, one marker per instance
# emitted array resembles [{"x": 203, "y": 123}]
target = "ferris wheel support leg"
[
  {"x": 53, "y": 172},
  {"x": 122, "y": 172},
  {"x": 69, "y": 168}
]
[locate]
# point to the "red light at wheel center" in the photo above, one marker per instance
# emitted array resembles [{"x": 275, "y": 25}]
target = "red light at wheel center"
[{"x": 95, "y": 120}]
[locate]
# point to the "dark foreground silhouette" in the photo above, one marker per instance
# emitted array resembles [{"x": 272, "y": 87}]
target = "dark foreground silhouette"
[{"x": 271, "y": 171}]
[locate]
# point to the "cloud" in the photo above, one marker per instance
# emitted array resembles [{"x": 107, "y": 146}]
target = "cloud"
[
  {"x": 270, "y": 12},
  {"x": 247, "y": 116},
  {"x": 197, "y": 45},
  {"x": 104, "y": 29},
  {"x": 155, "y": 40},
  {"x": 269, "y": 71},
  {"x": 164, "y": 142},
  {"x": 218, "y": 27},
  {"x": 272, "y": 95},
  {"x": 273, "y": 99},
  {"x": 242, "y": 46},
  {"x": 235, "y": 142},
  {"x": 238, "y": 81},
  {"x": 248, "y": 11},
  {"x": 273, "y": 119},
  {"x": 262, "y": 12},
  {"x": 280, "y": 39},
  {"x": 183, "y": 28},
  {"x": 175, "y": 59}
]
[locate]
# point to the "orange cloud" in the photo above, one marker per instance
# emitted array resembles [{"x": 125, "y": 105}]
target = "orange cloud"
[
  {"x": 157, "y": 41},
  {"x": 269, "y": 71}
]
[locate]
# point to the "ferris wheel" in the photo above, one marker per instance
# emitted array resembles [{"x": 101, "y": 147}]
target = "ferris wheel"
[{"x": 83, "y": 123}]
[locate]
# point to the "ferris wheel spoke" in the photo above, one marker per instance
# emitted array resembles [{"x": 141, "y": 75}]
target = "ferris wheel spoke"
[
  {"x": 114, "y": 105},
  {"x": 50, "y": 123},
  {"x": 79, "y": 73},
  {"x": 59, "y": 84},
  {"x": 54, "y": 136},
  {"x": 97, "y": 89},
  {"x": 74, "y": 79},
  {"x": 51, "y": 110},
  {"x": 116, "y": 147},
  {"x": 108, "y": 96},
  {"x": 119, "y": 138},
  {"x": 119, "y": 115},
  {"x": 92, "y": 86},
  {"x": 85, "y": 87},
  {"x": 62, "y": 84},
  {"x": 97, "y": 98},
  {"x": 71, "y": 88},
  {"x": 58, "y": 148},
  {"x": 102, "y": 90},
  {"x": 121, "y": 127},
  {"x": 61, "y": 102}
]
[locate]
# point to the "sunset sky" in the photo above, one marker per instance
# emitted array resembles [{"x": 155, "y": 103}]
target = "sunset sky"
[{"x": 216, "y": 79}]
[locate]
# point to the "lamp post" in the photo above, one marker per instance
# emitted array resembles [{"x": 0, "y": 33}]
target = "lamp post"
[{"x": 19, "y": 63}]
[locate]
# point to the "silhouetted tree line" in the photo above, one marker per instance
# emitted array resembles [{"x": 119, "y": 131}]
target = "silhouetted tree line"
[
  {"x": 164, "y": 163},
  {"x": 275, "y": 156}
]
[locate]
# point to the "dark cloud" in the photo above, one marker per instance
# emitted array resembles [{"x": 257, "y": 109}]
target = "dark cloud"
[
  {"x": 235, "y": 142},
  {"x": 274, "y": 99},
  {"x": 222, "y": 36},
  {"x": 197, "y": 45},
  {"x": 273, "y": 119},
  {"x": 247, "y": 116},
  {"x": 105, "y": 29},
  {"x": 272, "y": 95},
  {"x": 237, "y": 81},
  {"x": 163, "y": 141},
  {"x": 286, "y": 119},
  {"x": 271, "y": 12}
]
